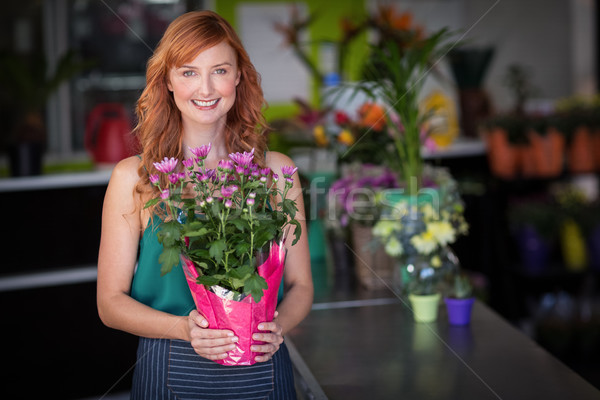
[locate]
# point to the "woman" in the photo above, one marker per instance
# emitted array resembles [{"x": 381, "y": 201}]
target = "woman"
[{"x": 201, "y": 88}]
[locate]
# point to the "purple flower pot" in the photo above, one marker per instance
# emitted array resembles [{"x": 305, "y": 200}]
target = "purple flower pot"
[
  {"x": 459, "y": 310},
  {"x": 533, "y": 248}
]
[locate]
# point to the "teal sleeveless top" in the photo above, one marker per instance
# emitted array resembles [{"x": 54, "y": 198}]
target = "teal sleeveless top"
[{"x": 169, "y": 293}]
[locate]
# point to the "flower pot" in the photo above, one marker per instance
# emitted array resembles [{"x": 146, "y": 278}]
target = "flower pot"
[
  {"x": 225, "y": 309},
  {"x": 459, "y": 310},
  {"x": 573, "y": 246},
  {"x": 502, "y": 155},
  {"x": 547, "y": 153},
  {"x": 533, "y": 249},
  {"x": 425, "y": 307},
  {"x": 525, "y": 161},
  {"x": 580, "y": 155}
]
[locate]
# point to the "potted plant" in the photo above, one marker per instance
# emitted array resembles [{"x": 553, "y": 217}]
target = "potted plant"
[
  {"x": 534, "y": 225},
  {"x": 459, "y": 300},
  {"x": 229, "y": 232},
  {"x": 547, "y": 147},
  {"x": 29, "y": 85},
  {"x": 395, "y": 76},
  {"x": 418, "y": 236},
  {"x": 506, "y": 139}
]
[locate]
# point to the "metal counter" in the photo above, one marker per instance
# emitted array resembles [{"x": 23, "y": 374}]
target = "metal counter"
[{"x": 372, "y": 349}]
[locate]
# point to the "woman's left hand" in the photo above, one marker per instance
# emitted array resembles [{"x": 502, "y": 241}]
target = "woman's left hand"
[{"x": 272, "y": 339}]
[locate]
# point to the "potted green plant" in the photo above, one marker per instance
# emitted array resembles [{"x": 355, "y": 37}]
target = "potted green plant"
[
  {"x": 424, "y": 289},
  {"x": 459, "y": 300},
  {"x": 29, "y": 84},
  {"x": 395, "y": 76}
]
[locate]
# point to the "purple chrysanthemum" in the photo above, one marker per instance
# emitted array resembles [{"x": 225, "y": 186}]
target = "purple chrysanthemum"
[
  {"x": 288, "y": 171},
  {"x": 227, "y": 191},
  {"x": 265, "y": 171},
  {"x": 154, "y": 179},
  {"x": 250, "y": 202},
  {"x": 243, "y": 159},
  {"x": 174, "y": 178},
  {"x": 188, "y": 163},
  {"x": 225, "y": 165},
  {"x": 166, "y": 166},
  {"x": 201, "y": 152},
  {"x": 164, "y": 194}
]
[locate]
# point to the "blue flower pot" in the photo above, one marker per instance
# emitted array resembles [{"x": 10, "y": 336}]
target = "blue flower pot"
[
  {"x": 534, "y": 250},
  {"x": 459, "y": 310}
]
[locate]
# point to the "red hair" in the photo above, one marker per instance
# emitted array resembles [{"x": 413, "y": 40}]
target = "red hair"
[{"x": 159, "y": 127}]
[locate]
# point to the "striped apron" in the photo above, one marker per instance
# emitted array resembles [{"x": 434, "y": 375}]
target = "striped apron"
[{"x": 171, "y": 369}]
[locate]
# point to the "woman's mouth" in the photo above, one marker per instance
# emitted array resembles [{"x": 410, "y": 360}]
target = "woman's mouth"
[{"x": 208, "y": 103}]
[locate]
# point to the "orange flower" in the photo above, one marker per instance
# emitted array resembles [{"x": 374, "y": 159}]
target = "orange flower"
[
  {"x": 372, "y": 116},
  {"x": 402, "y": 21}
]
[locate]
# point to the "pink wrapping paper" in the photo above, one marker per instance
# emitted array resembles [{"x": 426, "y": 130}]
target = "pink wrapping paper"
[{"x": 241, "y": 317}]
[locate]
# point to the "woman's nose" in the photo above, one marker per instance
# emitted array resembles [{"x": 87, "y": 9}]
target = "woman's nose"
[{"x": 205, "y": 87}]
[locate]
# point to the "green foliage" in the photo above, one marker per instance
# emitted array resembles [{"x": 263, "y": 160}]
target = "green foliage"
[
  {"x": 462, "y": 288},
  {"x": 222, "y": 218},
  {"x": 395, "y": 76}
]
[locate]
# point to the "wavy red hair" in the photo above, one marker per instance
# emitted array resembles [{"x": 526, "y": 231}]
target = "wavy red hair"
[{"x": 159, "y": 127}]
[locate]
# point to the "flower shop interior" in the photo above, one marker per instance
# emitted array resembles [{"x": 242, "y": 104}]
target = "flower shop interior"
[{"x": 448, "y": 149}]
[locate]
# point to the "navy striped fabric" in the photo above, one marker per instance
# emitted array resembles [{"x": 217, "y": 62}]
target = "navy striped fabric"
[{"x": 170, "y": 369}]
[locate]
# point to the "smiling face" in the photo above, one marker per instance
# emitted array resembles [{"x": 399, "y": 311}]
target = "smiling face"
[{"x": 204, "y": 88}]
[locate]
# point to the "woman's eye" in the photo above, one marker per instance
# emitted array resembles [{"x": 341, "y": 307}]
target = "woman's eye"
[
  {"x": 189, "y": 73},
  {"x": 220, "y": 71}
]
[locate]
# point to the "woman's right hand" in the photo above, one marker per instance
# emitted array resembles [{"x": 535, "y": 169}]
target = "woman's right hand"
[{"x": 212, "y": 344}]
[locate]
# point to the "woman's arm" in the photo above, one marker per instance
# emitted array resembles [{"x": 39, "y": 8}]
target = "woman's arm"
[{"x": 121, "y": 227}]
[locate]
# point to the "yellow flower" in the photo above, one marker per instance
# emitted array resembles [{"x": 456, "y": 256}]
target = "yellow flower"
[
  {"x": 384, "y": 228},
  {"x": 425, "y": 243},
  {"x": 428, "y": 211},
  {"x": 442, "y": 231},
  {"x": 320, "y": 135},
  {"x": 436, "y": 261},
  {"x": 393, "y": 247},
  {"x": 345, "y": 137}
]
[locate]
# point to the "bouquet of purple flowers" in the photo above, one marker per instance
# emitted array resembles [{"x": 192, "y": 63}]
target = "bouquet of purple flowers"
[{"x": 221, "y": 219}]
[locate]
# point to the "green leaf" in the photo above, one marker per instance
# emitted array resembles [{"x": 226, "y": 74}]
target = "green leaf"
[
  {"x": 240, "y": 275},
  {"x": 216, "y": 249},
  {"x": 170, "y": 233},
  {"x": 297, "y": 232},
  {"x": 240, "y": 224},
  {"x": 151, "y": 202},
  {"x": 168, "y": 259},
  {"x": 255, "y": 285},
  {"x": 207, "y": 280},
  {"x": 199, "y": 232},
  {"x": 289, "y": 207}
]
